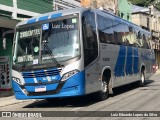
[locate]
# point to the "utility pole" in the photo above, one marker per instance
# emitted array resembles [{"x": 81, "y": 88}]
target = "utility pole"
[
  {"x": 116, "y": 7},
  {"x": 14, "y": 14},
  {"x": 55, "y": 7}
]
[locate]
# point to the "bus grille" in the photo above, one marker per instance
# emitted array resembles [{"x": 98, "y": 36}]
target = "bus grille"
[{"x": 44, "y": 73}]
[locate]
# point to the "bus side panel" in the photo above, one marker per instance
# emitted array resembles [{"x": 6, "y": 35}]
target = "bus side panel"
[
  {"x": 147, "y": 59},
  {"x": 125, "y": 63},
  {"x": 131, "y": 65},
  {"x": 107, "y": 59}
]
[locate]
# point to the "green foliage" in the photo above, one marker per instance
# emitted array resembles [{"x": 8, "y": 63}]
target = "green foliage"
[
  {"x": 158, "y": 6},
  {"x": 143, "y": 3}
]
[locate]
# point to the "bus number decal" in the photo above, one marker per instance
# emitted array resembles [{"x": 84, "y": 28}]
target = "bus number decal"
[{"x": 106, "y": 59}]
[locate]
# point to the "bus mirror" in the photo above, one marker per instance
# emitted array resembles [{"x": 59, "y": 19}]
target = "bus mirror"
[
  {"x": 4, "y": 43},
  {"x": 4, "y": 36},
  {"x": 89, "y": 30}
]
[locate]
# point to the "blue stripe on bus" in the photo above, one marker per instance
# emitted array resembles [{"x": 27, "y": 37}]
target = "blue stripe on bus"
[
  {"x": 43, "y": 18},
  {"x": 29, "y": 80},
  {"x": 31, "y": 20},
  {"x": 136, "y": 61},
  {"x": 129, "y": 62},
  {"x": 56, "y": 15},
  {"x": 119, "y": 68}
]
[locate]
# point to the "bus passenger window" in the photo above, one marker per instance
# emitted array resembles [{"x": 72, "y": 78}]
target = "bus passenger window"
[
  {"x": 148, "y": 39},
  {"x": 134, "y": 40},
  {"x": 126, "y": 35},
  {"x": 105, "y": 30},
  {"x": 139, "y": 38},
  {"x": 145, "y": 44},
  {"x": 132, "y": 37},
  {"x": 118, "y": 31}
]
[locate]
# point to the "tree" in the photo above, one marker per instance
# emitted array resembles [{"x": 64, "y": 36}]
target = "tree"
[
  {"x": 158, "y": 6},
  {"x": 142, "y": 3}
]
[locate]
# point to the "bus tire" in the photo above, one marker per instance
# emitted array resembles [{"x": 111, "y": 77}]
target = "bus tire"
[
  {"x": 142, "y": 79},
  {"x": 104, "y": 93}
]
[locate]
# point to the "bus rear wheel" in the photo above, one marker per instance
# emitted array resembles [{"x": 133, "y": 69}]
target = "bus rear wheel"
[
  {"x": 142, "y": 79},
  {"x": 104, "y": 93}
]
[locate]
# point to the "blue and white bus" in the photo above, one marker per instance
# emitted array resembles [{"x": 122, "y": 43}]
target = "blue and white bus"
[{"x": 76, "y": 52}]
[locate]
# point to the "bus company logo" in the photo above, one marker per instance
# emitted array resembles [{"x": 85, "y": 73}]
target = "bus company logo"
[
  {"x": 45, "y": 26},
  {"x": 6, "y": 114}
]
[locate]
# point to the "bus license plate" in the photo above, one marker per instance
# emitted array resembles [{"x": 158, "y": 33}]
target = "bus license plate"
[{"x": 40, "y": 89}]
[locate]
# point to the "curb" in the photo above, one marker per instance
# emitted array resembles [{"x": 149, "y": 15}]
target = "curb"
[{"x": 6, "y": 93}]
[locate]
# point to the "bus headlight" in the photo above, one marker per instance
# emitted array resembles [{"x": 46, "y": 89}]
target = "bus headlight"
[
  {"x": 69, "y": 74},
  {"x": 17, "y": 80}
]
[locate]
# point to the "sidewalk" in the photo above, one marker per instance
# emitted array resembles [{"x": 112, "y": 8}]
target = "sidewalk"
[{"x": 6, "y": 93}]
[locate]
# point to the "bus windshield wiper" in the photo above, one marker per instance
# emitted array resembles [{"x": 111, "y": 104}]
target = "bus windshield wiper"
[
  {"x": 49, "y": 52},
  {"x": 25, "y": 58}
]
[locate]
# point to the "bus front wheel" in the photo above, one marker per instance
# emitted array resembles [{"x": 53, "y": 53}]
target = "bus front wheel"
[{"x": 104, "y": 93}]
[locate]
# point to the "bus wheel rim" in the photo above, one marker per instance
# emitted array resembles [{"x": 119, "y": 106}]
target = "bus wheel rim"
[
  {"x": 104, "y": 86},
  {"x": 142, "y": 78}
]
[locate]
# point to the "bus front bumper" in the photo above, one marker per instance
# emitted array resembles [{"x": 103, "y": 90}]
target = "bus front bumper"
[{"x": 74, "y": 86}]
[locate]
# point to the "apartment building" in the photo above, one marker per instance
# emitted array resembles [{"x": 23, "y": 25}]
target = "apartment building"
[{"x": 149, "y": 19}]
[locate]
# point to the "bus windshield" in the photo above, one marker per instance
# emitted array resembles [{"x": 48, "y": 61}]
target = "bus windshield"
[
  {"x": 56, "y": 42},
  {"x": 60, "y": 41}
]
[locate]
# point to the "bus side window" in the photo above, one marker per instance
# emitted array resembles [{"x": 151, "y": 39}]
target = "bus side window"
[
  {"x": 139, "y": 37},
  {"x": 126, "y": 35},
  {"x": 148, "y": 38},
  {"x": 105, "y": 30},
  {"x": 145, "y": 44},
  {"x": 133, "y": 40},
  {"x": 89, "y": 37},
  {"x": 118, "y": 32}
]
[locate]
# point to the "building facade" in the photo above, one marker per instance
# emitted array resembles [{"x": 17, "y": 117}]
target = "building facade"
[
  {"x": 124, "y": 9},
  {"x": 12, "y": 12},
  {"x": 149, "y": 19},
  {"x": 109, "y": 5}
]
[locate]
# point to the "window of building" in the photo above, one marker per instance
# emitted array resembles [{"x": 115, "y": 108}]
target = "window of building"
[
  {"x": 122, "y": 15},
  {"x": 128, "y": 17}
]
